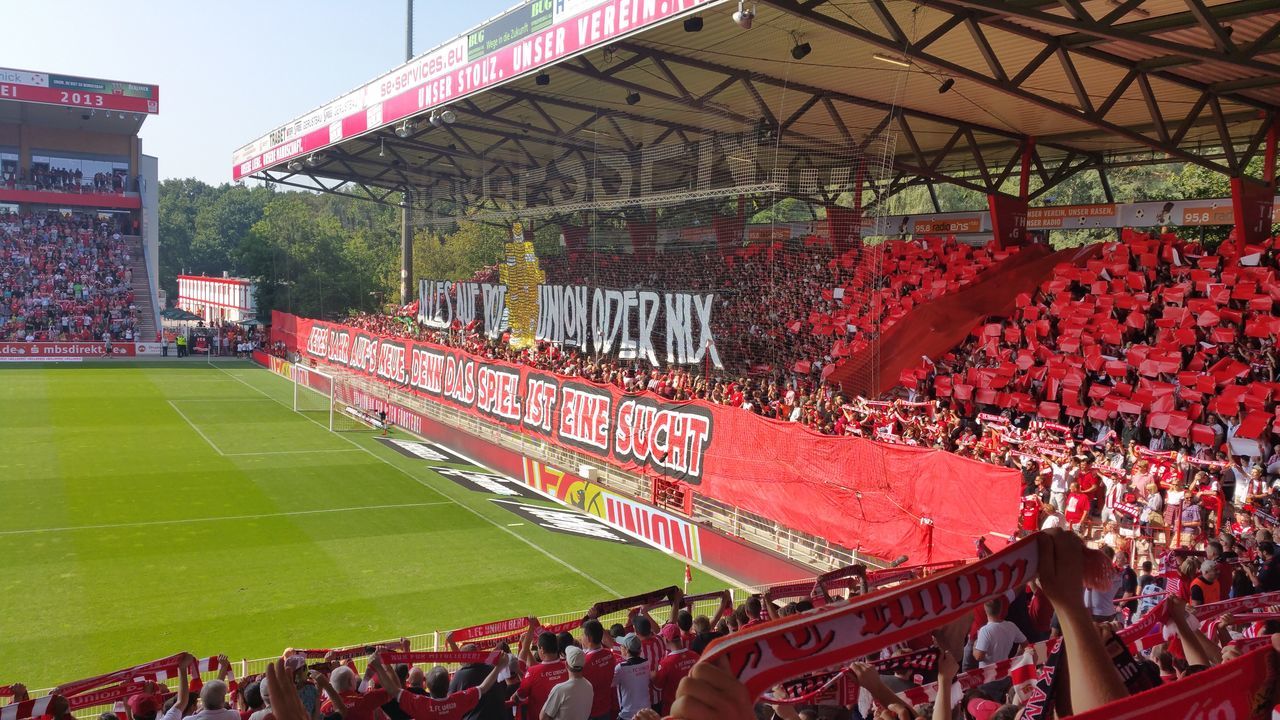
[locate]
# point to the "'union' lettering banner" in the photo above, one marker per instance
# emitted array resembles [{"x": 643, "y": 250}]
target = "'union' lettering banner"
[{"x": 883, "y": 500}]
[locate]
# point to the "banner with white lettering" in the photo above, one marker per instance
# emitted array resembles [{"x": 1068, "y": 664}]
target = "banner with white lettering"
[
  {"x": 883, "y": 499},
  {"x": 660, "y": 328}
]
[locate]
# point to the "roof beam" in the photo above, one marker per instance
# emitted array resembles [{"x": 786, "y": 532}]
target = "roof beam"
[
  {"x": 954, "y": 69},
  {"x": 1103, "y": 31}
]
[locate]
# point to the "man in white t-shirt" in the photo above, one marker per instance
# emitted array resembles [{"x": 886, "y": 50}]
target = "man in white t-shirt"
[
  {"x": 631, "y": 680},
  {"x": 571, "y": 699},
  {"x": 998, "y": 638}
]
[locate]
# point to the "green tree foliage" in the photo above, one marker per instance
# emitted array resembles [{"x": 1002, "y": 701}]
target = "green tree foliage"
[{"x": 313, "y": 254}]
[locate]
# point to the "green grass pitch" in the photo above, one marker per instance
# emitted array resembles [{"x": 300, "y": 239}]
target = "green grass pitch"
[{"x": 157, "y": 507}]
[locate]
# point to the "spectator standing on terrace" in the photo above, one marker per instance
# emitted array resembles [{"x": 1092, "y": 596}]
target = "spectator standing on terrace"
[
  {"x": 542, "y": 677},
  {"x": 673, "y": 668},
  {"x": 145, "y": 705},
  {"x": 652, "y": 647},
  {"x": 492, "y": 703},
  {"x": 213, "y": 696},
  {"x": 598, "y": 670},
  {"x": 310, "y": 696},
  {"x": 440, "y": 704},
  {"x": 1205, "y": 588},
  {"x": 997, "y": 638},
  {"x": 573, "y": 698},
  {"x": 632, "y": 680}
]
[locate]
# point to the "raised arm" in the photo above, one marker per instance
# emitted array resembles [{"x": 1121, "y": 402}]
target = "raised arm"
[
  {"x": 869, "y": 677},
  {"x": 492, "y": 677},
  {"x": 1094, "y": 678},
  {"x": 1200, "y": 650},
  {"x": 388, "y": 679},
  {"x": 322, "y": 682},
  {"x": 526, "y": 641},
  {"x": 184, "y": 687},
  {"x": 225, "y": 673}
]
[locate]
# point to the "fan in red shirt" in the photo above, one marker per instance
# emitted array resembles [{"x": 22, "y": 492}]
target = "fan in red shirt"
[
  {"x": 1077, "y": 506},
  {"x": 344, "y": 699},
  {"x": 652, "y": 647},
  {"x": 598, "y": 670},
  {"x": 540, "y": 678},
  {"x": 440, "y": 704},
  {"x": 677, "y": 663}
]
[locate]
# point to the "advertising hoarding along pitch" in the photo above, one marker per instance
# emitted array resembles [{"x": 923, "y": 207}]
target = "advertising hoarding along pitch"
[
  {"x": 854, "y": 492},
  {"x": 46, "y": 351},
  {"x": 530, "y": 37},
  {"x": 81, "y": 92}
]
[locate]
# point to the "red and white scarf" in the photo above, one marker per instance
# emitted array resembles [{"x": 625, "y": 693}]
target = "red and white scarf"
[
  {"x": 765, "y": 655},
  {"x": 439, "y": 658}
]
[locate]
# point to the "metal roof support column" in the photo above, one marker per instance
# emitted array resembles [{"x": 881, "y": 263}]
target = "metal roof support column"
[
  {"x": 406, "y": 249},
  {"x": 1024, "y": 180}
]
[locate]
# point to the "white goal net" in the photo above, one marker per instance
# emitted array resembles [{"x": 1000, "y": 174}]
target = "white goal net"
[{"x": 330, "y": 400}]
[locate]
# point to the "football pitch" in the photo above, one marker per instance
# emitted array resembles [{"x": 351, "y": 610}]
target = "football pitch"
[{"x": 152, "y": 508}]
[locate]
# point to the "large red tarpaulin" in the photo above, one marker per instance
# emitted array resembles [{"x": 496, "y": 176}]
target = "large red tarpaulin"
[
  {"x": 885, "y": 500},
  {"x": 38, "y": 351}
]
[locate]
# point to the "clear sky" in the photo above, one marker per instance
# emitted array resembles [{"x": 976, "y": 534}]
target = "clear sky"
[{"x": 229, "y": 71}]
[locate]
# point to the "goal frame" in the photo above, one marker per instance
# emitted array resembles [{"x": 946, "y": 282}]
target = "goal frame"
[{"x": 299, "y": 373}]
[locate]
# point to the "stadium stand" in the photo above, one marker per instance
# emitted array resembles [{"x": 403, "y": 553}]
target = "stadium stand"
[
  {"x": 999, "y": 643},
  {"x": 783, "y": 339},
  {"x": 66, "y": 278}
]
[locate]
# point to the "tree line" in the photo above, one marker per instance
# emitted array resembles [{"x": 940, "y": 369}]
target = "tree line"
[{"x": 323, "y": 255}]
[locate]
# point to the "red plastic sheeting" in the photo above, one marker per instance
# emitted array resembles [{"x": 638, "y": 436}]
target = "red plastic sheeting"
[{"x": 884, "y": 500}]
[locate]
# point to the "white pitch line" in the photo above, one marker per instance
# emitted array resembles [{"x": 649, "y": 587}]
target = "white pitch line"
[
  {"x": 423, "y": 483},
  {"x": 198, "y": 430},
  {"x": 289, "y": 452},
  {"x": 145, "y": 523}
]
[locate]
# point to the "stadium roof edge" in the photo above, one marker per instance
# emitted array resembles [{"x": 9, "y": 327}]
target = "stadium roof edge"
[
  {"x": 1109, "y": 97},
  {"x": 416, "y": 56},
  {"x": 446, "y": 58}
]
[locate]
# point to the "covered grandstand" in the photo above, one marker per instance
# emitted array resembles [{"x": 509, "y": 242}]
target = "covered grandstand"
[{"x": 641, "y": 153}]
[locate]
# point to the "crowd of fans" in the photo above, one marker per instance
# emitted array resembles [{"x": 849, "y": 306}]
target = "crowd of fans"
[
  {"x": 1154, "y": 351},
  {"x": 58, "y": 179},
  {"x": 64, "y": 277},
  {"x": 1123, "y": 630},
  {"x": 782, "y": 317}
]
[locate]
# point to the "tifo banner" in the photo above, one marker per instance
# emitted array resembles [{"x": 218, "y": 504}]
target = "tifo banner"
[
  {"x": 661, "y": 529},
  {"x": 45, "y": 351},
  {"x": 655, "y": 327},
  {"x": 885, "y": 500}
]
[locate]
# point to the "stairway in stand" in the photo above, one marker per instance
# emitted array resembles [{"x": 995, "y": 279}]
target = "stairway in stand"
[{"x": 141, "y": 290}]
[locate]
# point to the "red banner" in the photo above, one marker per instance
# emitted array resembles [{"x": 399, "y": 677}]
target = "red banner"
[
  {"x": 1252, "y": 203},
  {"x": 44, "y": 351},
  {"x": 1008, "y": 220},
  {"x": 885, "y": 500}
]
